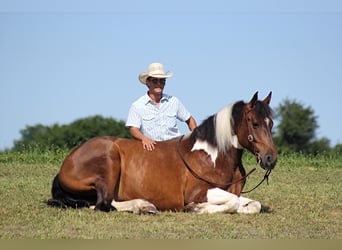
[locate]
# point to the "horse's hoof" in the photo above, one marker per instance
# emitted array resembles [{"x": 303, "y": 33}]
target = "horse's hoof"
[
  {"x": 104, "y": 207},
  {"x": 148, "y": 210},
  {"x": 189, "y": 208}
]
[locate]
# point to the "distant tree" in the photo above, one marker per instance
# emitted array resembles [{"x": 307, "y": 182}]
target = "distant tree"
[
  {"x": 32, "y": 136},
  {"x": 69, "y": 136},
  {"x": 296, "y": 131},
  {"x": 320, "y": 146},
  {"x": 337, "y": 150}
]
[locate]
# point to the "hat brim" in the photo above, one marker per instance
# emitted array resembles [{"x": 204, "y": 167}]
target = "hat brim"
[{"x": 143, "y": 76}]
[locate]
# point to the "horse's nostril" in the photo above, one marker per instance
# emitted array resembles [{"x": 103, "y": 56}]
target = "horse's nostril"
[{"x": 268, "y": 161}]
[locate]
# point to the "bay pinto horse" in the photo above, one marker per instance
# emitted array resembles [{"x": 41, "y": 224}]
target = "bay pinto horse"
[{"x": 201, "y": 172}]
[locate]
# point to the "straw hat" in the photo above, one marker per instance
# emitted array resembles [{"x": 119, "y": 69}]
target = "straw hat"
[{"x": 155, "y": 70}]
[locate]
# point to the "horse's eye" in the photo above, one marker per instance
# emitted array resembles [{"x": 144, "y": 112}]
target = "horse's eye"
[{"x": 255, "y": 125}]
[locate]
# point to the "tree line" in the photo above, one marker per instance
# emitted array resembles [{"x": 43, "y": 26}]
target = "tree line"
[
  {"x": 71, "y": 135},
  {"x": 295, "y": 132}
]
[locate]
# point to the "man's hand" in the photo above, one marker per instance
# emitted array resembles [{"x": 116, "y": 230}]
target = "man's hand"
[{"x": 148, "y": 143}]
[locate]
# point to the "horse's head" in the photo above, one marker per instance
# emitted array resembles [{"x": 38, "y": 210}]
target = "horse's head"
[
  {"x": 240, "y": 125},
  {"x": 253, "y": 129}
]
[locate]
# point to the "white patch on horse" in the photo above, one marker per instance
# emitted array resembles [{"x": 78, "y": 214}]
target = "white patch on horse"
[
  {"x": 218, "y": 201},
  {"x": 222, "y": 201},
  {"x": 235, "y": 142},
  {"x": 208, "y": 148},
  {"x": 248, "y": 206},
  {"x": 135, "y": 206},
  {"x": 267, "y": 120},
  {"x": 224, "y": 130},
  {"x": 218, "y": 196}
]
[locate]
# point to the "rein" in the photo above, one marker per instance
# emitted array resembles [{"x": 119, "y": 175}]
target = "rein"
[
  {"x": 267, "y": 174},
  {"x": 226, "y": 184}
]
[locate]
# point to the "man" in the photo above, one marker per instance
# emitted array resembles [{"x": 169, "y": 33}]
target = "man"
[{"x": 153, "y": 117}]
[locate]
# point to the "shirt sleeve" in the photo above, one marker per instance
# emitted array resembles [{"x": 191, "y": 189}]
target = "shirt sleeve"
[
  {"x": 182, "y": 113},
  {"x": 133, "y": 119}
]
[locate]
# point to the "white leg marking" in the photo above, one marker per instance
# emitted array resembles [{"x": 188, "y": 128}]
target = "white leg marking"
[
  {"x": 203, "y": 145},
  {"x": 248, "y": 206},
  {"x": 218, "y": 201},
  {"x": 218, "y": 196},
  {"x": 136, "y": 206}
]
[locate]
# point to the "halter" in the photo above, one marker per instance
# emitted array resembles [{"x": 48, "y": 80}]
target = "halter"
[
  {"x": 250, "y": 137},
  {"x": 251, "y": 140}
]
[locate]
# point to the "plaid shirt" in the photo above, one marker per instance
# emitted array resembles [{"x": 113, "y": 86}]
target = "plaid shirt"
[{"x": 158, "y": 122}]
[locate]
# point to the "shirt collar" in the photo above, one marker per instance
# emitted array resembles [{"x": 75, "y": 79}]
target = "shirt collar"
[{"x": 165, "y": 98}]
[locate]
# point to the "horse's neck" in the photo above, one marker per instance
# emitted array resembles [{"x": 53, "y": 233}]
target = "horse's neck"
[{"x": 231, "y": 159}]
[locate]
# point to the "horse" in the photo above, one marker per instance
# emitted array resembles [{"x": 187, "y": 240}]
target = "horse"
[{"x": 201, "y": 172}]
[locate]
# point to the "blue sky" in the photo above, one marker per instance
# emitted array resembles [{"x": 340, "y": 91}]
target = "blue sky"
[{"x": 65, "y": 60}]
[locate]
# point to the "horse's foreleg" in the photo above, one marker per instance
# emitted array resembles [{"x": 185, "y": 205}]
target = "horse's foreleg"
[
  {"x": 248, "y": 206},
  {"x": 105, "y": 195},
  {"x": 136, "y": 206},
  {"x": 218, "y": 200},
  {"x": 105, "y": 185},
  {"x": 239, "y": 174}
]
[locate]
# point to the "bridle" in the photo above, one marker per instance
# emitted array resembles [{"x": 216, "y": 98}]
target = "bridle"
[{"x": 251, "y": 139}]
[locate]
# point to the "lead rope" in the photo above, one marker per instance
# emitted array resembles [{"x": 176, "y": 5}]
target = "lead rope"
[{"x": 267, "y": 174}]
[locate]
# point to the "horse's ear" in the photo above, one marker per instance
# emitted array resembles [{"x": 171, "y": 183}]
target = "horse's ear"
[
  {"x": 253, "y": 100},
  {"x": 267, "y": 100}
]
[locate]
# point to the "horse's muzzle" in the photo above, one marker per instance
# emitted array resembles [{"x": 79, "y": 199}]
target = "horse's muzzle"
[{"x": 267, "y": 161}]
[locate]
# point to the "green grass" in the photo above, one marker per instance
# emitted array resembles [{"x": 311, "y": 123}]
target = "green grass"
[{"x": 302, "y": 201}]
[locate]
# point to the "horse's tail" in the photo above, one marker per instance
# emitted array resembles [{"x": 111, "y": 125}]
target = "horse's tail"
[{"x": 61, "y": 198}]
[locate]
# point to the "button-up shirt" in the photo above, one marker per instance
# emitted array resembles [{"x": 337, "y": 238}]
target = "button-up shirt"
[{"x": 158, "y": 122}]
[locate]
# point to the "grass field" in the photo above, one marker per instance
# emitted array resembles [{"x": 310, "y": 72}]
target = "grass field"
[{"x": 302, "y": 201}]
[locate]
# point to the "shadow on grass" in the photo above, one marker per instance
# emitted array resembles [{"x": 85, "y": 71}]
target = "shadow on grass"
[{"x": 266, "y": 210}]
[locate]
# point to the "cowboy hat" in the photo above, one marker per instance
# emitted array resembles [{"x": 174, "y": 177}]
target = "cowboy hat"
[{"x": 155, "y": 70}]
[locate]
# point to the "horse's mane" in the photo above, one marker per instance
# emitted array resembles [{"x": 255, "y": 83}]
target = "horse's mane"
[{"x": 220, "y": 129}]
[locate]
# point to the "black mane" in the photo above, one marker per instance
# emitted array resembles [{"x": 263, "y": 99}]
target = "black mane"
[
  {"x": 237, "y": 114},
  {"x": 206, "y": 131}
]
